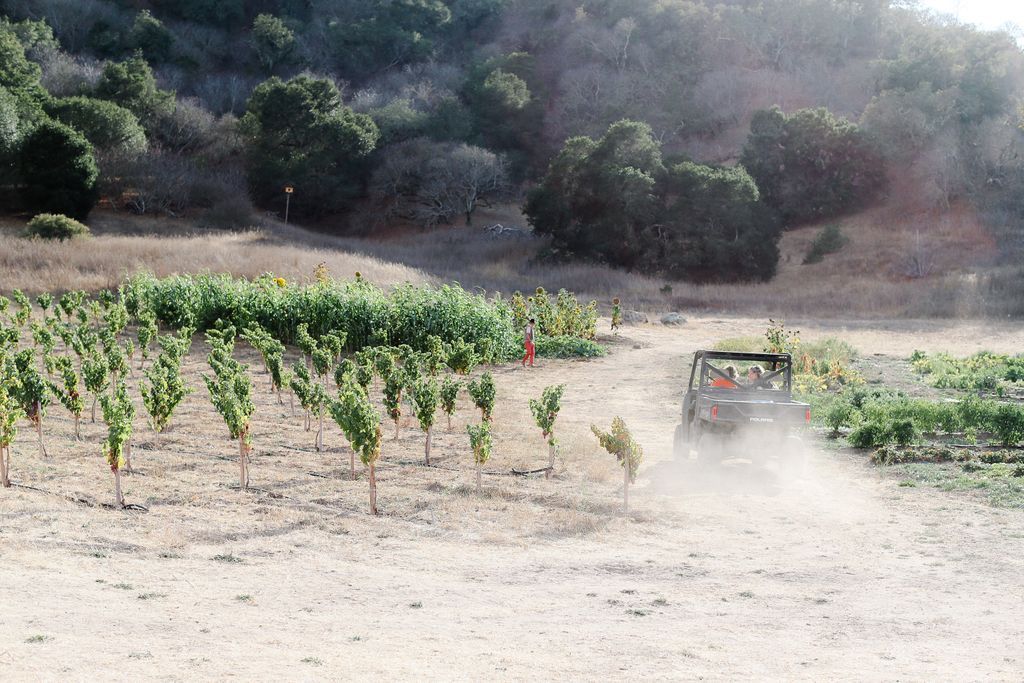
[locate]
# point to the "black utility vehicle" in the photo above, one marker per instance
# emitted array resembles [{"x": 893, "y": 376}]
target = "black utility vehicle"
[{"x": 724, "y": 412}]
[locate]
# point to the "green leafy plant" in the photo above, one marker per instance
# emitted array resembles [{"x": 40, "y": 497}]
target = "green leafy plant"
[
  {"x": 616, "y": 315},
  {"x": 23, "y": 312},
  {"x": 118, "y": 413},
  {"x": 95, "y": 376},
  {"x": 231, "y": 393},
  {"x": 567, "y": 347},
  {"x": 620, "y": 443},
  {"x": 10, "y": 413},
  {"x": 50, "y": 226},
  {"x": 425, "y": 397},
  {"x": 33, "y": 393},
  {"x": 450, "y": 389},
  {"x": 67, "y": 392},
  {"x": 481, "y": 443},
  {"x": 362, "y": 429},
  {"x": 304, "y": 388},
  {"x": 163, "y": 390},
  {"x": 1008, "y": 424},
  {"x": 483, "y": 393},
  {"x": 147, "y": 332},
  {"x": 545, "y": 412},
  {"x": 838, "y": 415},
  {"x": 461, "y": 357},
  {"x": 829, "y": 240},
  {"x": 393, "y": 386}
]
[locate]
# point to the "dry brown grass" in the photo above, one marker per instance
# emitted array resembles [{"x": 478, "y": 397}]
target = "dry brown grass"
[{"x": 870, "y": 277}]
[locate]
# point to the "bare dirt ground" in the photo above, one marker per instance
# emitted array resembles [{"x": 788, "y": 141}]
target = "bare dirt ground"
[{"x": 841, "y": 575}]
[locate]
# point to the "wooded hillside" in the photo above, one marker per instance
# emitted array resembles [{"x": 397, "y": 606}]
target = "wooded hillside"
[{"x": 675, "y": 133}]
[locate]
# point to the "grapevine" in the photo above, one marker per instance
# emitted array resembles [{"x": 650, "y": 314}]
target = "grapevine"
[{"x": 480, "y": 442}]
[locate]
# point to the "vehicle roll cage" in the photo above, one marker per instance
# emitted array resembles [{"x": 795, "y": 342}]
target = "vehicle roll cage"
[{"x": 778, "y": 365}]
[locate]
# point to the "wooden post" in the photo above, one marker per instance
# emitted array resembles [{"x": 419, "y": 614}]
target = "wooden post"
[
  {"x": 427, "y": 449},
  {"x": 551, "y": 458},
  {"x": 373, "y": 489},
  {"x": 243, "y": 468},
  {"x": 4, "y": 463},
  {"x": 479, "y": 484},
  {"x": 118, "y": 498},
  {"x": 320, "y": 432},
  {"x": 625, "y": 486},
  {"x": 39, "y": 429}
]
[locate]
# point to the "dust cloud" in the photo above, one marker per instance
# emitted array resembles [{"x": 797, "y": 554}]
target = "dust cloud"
[{"x": 754, "y": 463}]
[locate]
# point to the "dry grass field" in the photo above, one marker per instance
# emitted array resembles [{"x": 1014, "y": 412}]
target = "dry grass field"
[
  {"x": 842, "y": 575},
  {"x": 871, "y": 277}
]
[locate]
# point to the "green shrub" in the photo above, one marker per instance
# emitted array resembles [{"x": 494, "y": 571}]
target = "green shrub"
[
  {"x": 567, "y": 347},
  {"x": 838, "y": 415},
  {"x": 54, "y": 226},
  {"x": 365, "y": 313},
  {"x": 895, "y": 454},
  {"x": 875, "y": 433},
  {"x": 1009, "y": 457},
  {"x": 59, "y": 171},
  {"x": 981, "y": 372},
  {"x": 1007, "y": 424},
  {"x": 904, "y": 432},
  {"x": 828, "y": 241}
]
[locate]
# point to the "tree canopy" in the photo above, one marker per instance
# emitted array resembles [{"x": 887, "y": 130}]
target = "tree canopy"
[
  {"x": 614, "y": 199},
  {"x": 811, "y": 164},
  {"x": 300, "y": 133}
]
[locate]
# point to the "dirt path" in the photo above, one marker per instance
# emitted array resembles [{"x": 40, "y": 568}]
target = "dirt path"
[{"x": 840, "y": 576}]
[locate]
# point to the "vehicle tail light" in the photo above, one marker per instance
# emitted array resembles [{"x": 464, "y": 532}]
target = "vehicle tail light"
[
  {"x": 714, "y": 412},
  {"x": 807, "y": 417}
]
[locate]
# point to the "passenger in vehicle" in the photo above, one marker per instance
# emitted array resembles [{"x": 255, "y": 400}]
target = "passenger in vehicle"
[
  {"x": 722, "y": 382},
  {"x": 754, "y": 376}
]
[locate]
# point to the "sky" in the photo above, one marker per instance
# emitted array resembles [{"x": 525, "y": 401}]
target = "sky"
[{"x": 987, "y": 14}]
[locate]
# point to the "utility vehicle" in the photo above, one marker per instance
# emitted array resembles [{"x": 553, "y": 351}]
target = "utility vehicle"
[{"x": 741, "y": 415}]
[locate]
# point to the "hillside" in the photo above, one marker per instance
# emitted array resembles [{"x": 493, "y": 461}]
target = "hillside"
[{"x": 393, "y": 116}]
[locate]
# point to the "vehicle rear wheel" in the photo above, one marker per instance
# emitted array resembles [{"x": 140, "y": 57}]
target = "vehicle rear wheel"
[
  {"x": 709, "y": 448},
  {"x": 793, "y": 459},
  {"x": 680, "y": 445}
]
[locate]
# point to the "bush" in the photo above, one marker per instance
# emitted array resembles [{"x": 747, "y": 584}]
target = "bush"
[
  {"x": 828, "y": 241},
  {"x": 299, "y": 133},
  {"x": 568, "y": 347},
  {"x": 983, "y": 371},
  {"x": 838, "y": 415},
  {"x": 811, "y": 164},
  {"x": 895, "y": 455},
  {"x": 1008, "y": 424},
  {"x": 368, "y": 315},
  {"x": 614, "y": 200},
  {"x": 59, "y": 171},
  {"x": 51, "y": 226},
  {"x": 132, "y": 85},
  {"x": 106, "y": 125}
]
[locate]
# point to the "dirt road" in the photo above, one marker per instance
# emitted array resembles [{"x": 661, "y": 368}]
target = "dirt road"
[{"x": 842, "y": 575}]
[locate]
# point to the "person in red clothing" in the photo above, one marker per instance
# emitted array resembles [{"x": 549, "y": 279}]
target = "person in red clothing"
[
  {"x": 722, "y": 382},
  {"x": 528, "y": 342}
]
